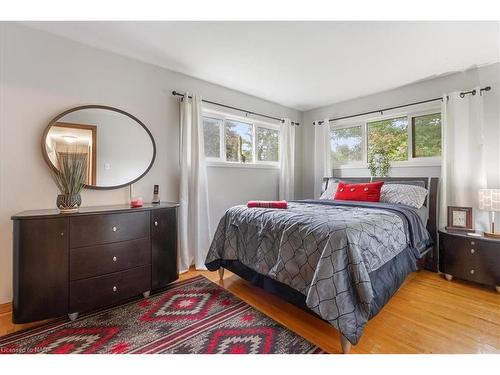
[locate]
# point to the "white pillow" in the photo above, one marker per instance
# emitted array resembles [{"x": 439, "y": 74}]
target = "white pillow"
[
  {"x": 330, "y": 191},
  {"x": 410, "y": 195}
]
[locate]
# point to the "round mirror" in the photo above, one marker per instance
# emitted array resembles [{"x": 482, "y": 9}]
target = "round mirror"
[{"x": 117, "y": 147}]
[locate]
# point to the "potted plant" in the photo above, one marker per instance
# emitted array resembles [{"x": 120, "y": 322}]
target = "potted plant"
[
  {"x": 379, "y": 164},
  {"x": 70, "y": 178}
]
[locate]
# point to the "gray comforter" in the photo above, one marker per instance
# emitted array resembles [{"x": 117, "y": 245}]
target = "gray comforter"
[{"x": 323, "y": 249}]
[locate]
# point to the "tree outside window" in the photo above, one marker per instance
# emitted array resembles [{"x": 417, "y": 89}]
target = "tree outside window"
[{"x": 389, "y": 137}]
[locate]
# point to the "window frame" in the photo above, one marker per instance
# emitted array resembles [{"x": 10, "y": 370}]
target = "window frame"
[
  {"x": 421, "y": 110},
  {"x": 255, "y": 163}
]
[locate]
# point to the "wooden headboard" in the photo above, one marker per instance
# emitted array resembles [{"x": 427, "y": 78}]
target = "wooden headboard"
[{"x": 430, "y": 183}]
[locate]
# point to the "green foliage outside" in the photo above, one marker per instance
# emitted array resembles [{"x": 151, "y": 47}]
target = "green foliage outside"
[
  {"x": 267, "y": 144},
  {"x": 389, "y": 137},
  {"x": 387, "y": 141},
  {"x": 427, "y": 135}
]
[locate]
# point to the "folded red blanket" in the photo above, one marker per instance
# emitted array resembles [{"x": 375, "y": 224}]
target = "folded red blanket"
[{"x": 267, "y": 204}]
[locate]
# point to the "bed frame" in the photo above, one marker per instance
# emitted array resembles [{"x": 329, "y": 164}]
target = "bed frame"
[{"x": 429, "y": 259}]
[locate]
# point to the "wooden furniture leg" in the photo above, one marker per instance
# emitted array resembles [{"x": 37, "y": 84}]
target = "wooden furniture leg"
[
  {"x": 345, "y": 344},
  {"x": 221, "y": 273},
  {"x": 73, "y": 316}
]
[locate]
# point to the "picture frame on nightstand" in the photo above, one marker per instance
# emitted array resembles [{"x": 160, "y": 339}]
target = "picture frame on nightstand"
[{"x": 460, "y": 219}]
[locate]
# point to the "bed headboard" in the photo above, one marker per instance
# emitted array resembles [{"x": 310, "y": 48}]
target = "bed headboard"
[{"x": 430, "y": 183}]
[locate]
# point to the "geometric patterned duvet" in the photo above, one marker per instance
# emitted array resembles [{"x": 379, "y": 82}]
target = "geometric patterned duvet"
[{"x": 323, "y": 249}]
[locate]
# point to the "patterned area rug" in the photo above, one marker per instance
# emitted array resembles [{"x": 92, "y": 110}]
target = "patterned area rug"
[{"x": 194, "y": 316}]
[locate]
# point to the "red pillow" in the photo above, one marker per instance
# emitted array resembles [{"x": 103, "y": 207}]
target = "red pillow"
[{"x": 368, "y": 192}]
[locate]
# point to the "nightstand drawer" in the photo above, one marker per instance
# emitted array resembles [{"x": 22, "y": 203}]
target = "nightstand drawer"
[
  {"x": 488, "y": 263},
  {"x": 460, "y": 257}
]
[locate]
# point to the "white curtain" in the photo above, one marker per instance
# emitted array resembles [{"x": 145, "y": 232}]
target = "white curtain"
[
  {"x": 287, "y": 161},
  {"x": 322, "y": 163},
  {"x": 463, "y": 164},
  {"x": 194, "y": 219}
]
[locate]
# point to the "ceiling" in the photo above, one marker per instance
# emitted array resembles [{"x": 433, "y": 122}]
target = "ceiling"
[{"x": 302, "y": 65}]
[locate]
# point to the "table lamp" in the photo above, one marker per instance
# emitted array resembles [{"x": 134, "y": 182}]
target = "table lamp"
[{"x": 489, "y": 200}]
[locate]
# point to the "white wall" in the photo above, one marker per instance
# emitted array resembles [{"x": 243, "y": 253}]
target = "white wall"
[
  {"x": 42, "y": 75},
  {"x": 484, "y": 76}
]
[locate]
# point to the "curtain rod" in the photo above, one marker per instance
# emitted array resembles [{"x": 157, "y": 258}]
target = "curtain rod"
[
  {"x": 462, "y": 95},
  {"x": 175, "y": 93}
]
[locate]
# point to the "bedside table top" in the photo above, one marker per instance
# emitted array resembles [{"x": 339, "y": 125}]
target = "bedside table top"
[{"x": 463, "y": 234}]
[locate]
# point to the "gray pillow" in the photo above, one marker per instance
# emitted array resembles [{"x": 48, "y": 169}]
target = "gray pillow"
[
  {"x": 410, "y": 195},
  {"x": 416, "y": 183},
  {"x": 330, "y": 191}
]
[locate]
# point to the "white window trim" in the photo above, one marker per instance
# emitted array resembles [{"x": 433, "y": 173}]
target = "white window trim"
[
  {"x": 419, "y": 110},
  {"x": 256, "y": 123},
  {"x": 232, "y": 164}
]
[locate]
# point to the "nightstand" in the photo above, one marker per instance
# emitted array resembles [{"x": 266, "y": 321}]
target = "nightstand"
[{"x": 475, "y": 259}]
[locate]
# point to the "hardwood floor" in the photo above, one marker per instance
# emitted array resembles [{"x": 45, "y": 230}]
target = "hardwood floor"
[{"x": 427, "y": 315}]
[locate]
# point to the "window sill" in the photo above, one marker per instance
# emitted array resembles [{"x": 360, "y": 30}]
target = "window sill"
[
  {"x": 399, "y": 164},
  {"x": 222, "y": 164}
]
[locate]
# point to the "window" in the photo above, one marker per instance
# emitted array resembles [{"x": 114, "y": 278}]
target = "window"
[
  {"x": 239, "y": 142},
  {"x": 268, "y": 144},
  {"x": 413, "y": 136},
  {"x": 229, "y": 139},
  {"x": 426, "y": 135},
  {"x": 389, "y": 137},
  {"x": 346, "y": 145},
  {"x": 211, "y": 136}
]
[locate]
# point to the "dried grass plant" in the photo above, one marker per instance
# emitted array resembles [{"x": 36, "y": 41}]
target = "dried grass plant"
[{"x": 72, "y": 173}]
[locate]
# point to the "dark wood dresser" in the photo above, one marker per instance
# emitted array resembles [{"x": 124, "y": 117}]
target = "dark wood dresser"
[
  {"x": 99, "y": 256},
  {"x": 475, "y": 259}
]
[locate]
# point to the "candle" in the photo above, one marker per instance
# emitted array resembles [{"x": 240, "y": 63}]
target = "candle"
[{"x": 136, "y": 202}]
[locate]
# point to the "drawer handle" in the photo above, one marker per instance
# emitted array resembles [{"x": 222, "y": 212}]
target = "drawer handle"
[
  {"x": 62, "y": 234},
  {"x": 156, "y": 223},
  {"x": 114, "y": 229},
  {"x": 115, "y": 289},
  {"x": 472, "y": 243},
  {"x": 472, "y": 272},
  {"x": 472, "y": 251},
  {"x": 115, "y": 259}
]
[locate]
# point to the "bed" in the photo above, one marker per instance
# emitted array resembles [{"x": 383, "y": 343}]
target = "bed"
[{"x": 339, "y": 260}]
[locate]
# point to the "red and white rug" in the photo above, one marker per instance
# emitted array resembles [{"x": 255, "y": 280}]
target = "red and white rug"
[{"x": 194, "y": 316}]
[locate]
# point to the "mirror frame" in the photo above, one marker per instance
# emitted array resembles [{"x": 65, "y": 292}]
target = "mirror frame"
[{"x": 97, "y": 106}]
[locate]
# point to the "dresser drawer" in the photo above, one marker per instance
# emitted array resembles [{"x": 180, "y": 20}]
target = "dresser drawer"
[
  {"x": 99, "y": 229},
  {"x": 99, "y": 260},
  {"x": 105, "y": 290}
]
